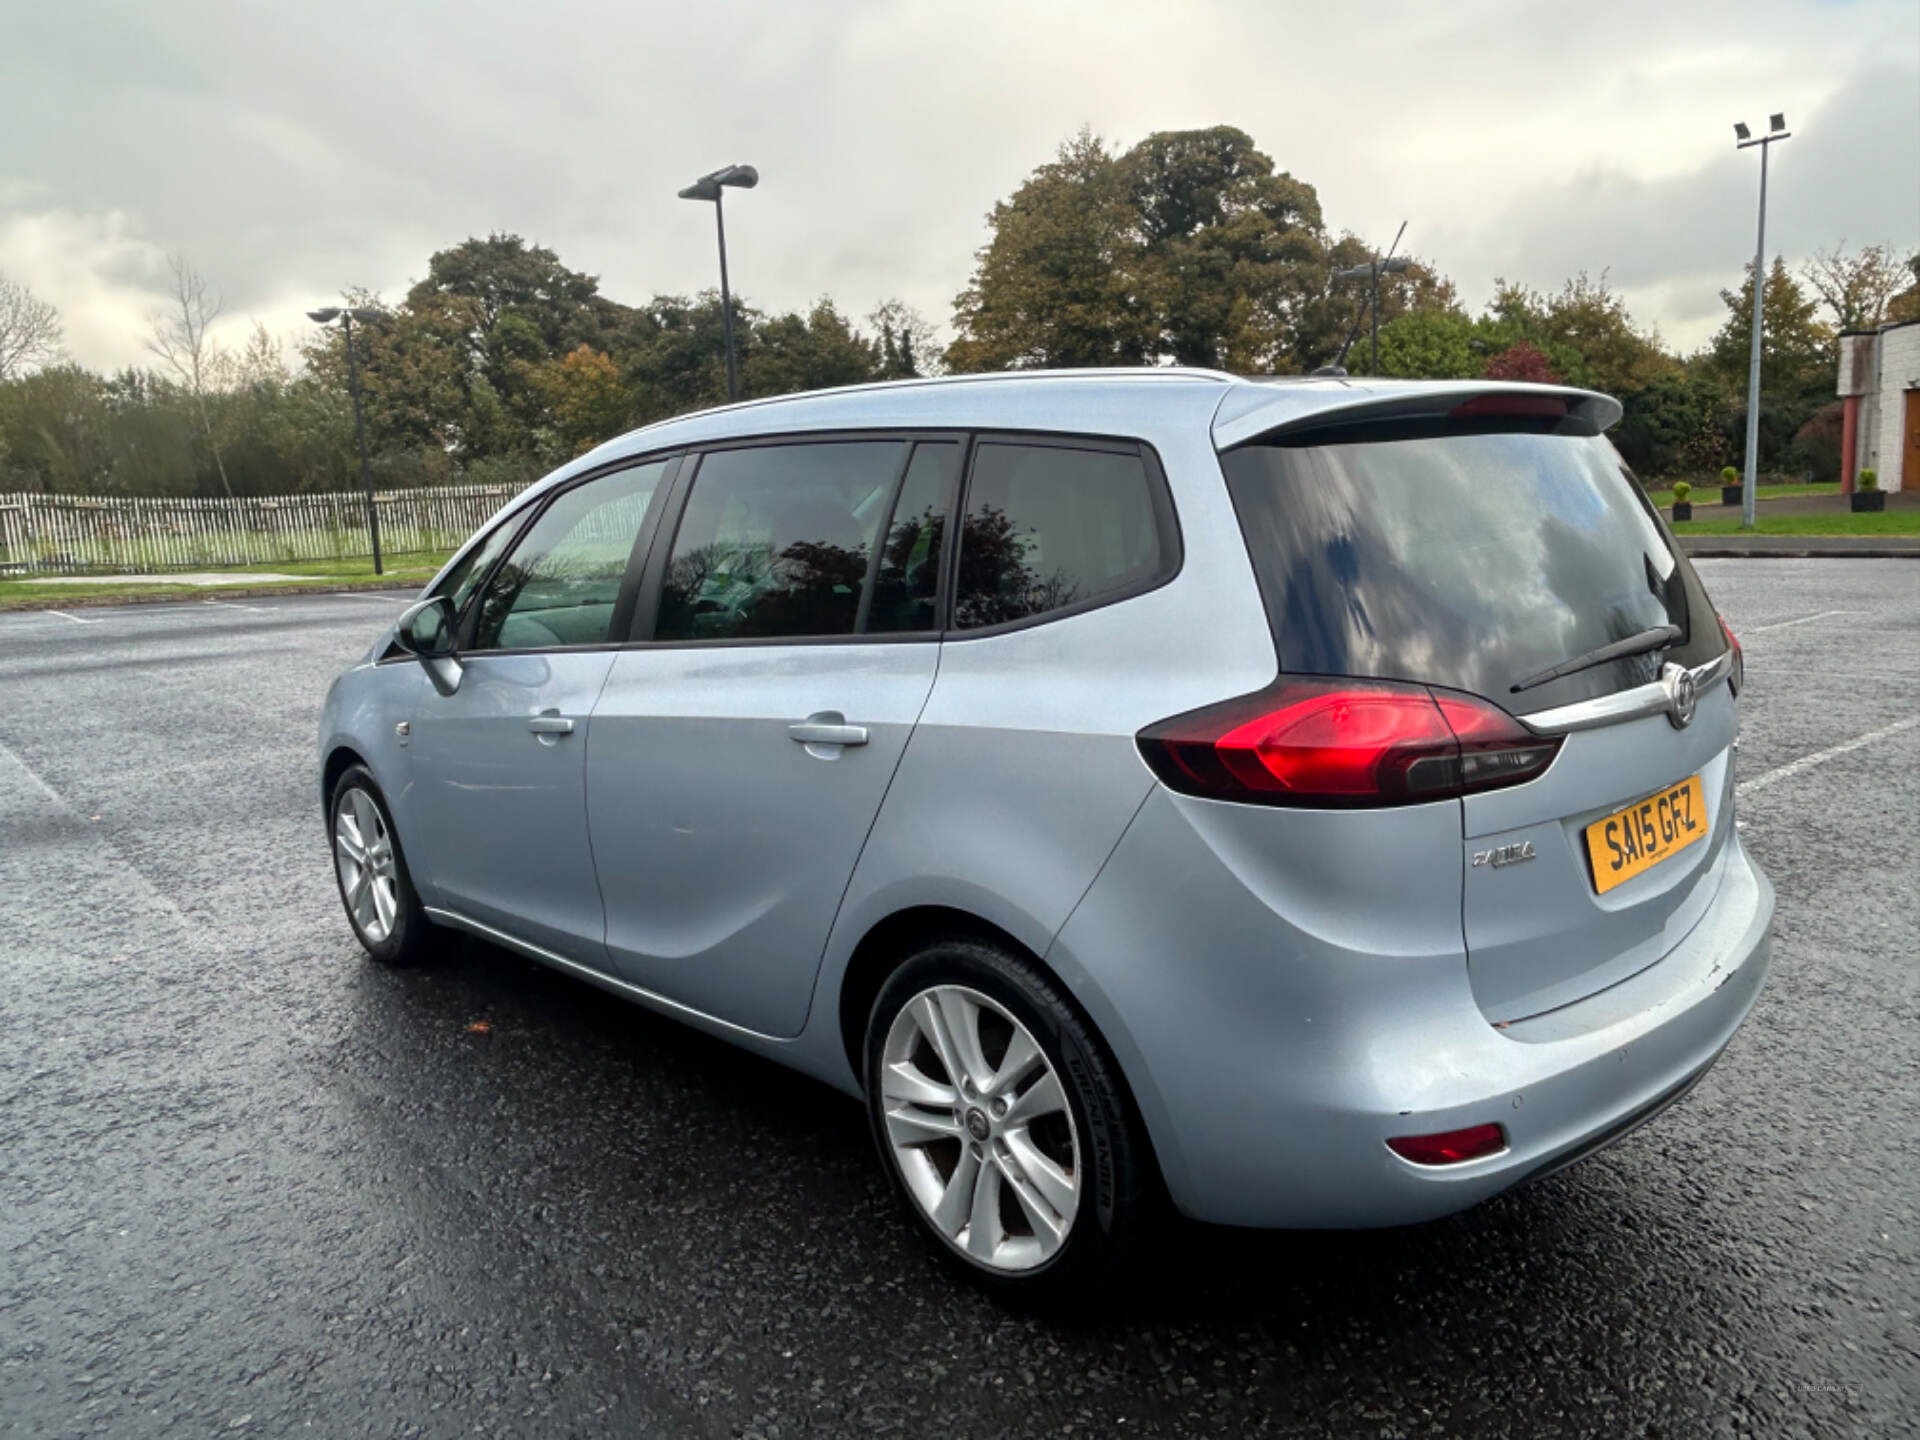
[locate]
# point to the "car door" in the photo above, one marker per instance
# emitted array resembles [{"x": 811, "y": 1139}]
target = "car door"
[
  {"x": 741, "y": 751},
  {"x": 499, "y": 759}
]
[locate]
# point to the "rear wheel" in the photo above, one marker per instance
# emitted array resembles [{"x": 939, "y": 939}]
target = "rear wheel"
[
  {"x": 1001, "y": 1119},
  {"x": 371, "y": 871}
]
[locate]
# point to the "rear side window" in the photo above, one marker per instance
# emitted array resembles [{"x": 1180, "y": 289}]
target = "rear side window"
[
  {"x": 1050, "y": 527},
  {"x": 1471, "y": 561},
  {"x": 776, "y": 541},
  {"x": 906, "y": 586}
]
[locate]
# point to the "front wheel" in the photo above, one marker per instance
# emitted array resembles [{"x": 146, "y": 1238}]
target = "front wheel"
[
  {"x": 372, "y": 875},
  {"x": 1002, "y": 1120}
]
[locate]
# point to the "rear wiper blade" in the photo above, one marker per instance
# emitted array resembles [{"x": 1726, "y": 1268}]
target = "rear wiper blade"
[{"x": 1658, "y": 638}]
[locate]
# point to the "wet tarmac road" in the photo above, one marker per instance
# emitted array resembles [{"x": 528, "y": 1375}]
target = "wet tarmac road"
[{"x": 250, "y": 1184}]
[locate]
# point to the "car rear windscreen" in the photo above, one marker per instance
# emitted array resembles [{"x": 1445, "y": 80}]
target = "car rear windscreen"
[{"x": 1468, "y": 560}]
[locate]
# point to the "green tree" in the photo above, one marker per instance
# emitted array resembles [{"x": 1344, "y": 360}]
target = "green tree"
[
  {"x": 1191, "y": 248},
  {"x": 1431, "y": 345},
  {"x": 1676, "y": 424},
  {"x": 810, "y": 352},
  {"x": 586, "y": 396},
  {"x": 1796, "y": 360},
  {"x": 416, "y": 373},
  {"x": 1217, "y": 228},
  {"x": 54, "y": 432},
  {"x": 1061, "y": 281}
]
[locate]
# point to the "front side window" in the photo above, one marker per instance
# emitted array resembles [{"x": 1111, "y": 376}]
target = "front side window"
[
  {"x": 460, "y": 582},
  {"x": 561, "y": 583},
  {"x": 776, "y": 540},
  {"x": 1050, "y": 527}
]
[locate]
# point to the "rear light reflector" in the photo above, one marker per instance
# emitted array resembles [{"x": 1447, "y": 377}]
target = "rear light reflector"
[
  {"x": 1344, "y": 744},
  {"x": 1452, "y": 1147},
  {"x": 1737, "y": 676}
]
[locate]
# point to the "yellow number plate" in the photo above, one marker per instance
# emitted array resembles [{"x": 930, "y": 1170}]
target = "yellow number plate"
[{"x": 1631, "y": 841}]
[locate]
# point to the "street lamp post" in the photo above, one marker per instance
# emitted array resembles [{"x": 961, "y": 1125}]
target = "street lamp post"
[
  {"x": 1743, "y": 139},
  {"x": 708, "y": 187},
  {"x": 327, "y": 316}
]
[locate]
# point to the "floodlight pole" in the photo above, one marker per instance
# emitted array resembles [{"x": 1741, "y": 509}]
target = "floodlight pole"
[
  {"x": 326, "y": 315},
  {"x": 1751, "y": 479},
  {"x": 726, "y": 300},
  {"x": 360, "y": 438},
  {"x": 712, "y": 187}
]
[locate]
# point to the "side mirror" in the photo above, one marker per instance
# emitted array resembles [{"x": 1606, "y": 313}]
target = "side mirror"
[{"x": 426, "y": 629}]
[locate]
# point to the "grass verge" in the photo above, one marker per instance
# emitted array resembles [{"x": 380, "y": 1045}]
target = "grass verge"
[
  {"x": 1885, "y": 522},
  {"x": 400, "y": 570},
  {"x": 1710, "y": 494}
]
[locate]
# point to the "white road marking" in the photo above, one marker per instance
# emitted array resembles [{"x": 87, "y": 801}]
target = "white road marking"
[
  {"x": 1803, "y": 620},
  {"x": 75, "y": 618},
  {"x": 230, "y": 605},
  {"x": 1820, "y": 757},
  {"x": 159, "y": 898}
]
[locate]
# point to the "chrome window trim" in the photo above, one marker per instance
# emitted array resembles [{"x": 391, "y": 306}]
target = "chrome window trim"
[{"x": 1656, "y": 697}]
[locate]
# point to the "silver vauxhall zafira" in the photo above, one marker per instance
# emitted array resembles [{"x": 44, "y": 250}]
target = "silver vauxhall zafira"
[{"x": 1311, "y": 801}]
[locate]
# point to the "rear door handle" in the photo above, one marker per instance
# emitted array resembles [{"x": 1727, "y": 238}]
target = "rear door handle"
[
  {"x": 550, "y": 724},
  {"x": 827, "y": 728}
]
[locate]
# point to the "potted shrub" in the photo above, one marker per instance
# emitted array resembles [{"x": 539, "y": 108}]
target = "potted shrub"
[
  {"x": 1730, "y": 487},
  {"x": 1867, "y": 494},
  {"x": 1682, "y": 505}
]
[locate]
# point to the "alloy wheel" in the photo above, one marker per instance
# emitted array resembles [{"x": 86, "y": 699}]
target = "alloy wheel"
[
  {"x": 980, "y": 1128},
  {"x": 363, "y": 854}
]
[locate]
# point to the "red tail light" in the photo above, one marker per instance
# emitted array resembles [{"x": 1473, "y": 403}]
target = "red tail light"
[
  {"x": 1451, "y": 1148},
  {"x": 1738, "y": 676},
  {"x": 1550, "y": 407},
  {"x": 1344, "y": 744}
]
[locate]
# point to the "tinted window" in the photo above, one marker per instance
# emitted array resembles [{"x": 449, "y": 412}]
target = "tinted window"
[
  {"x": 776, "y": 539},
  {"x": 560, "y": 584},
  {"x": 1470, "y": 561},
  {"x": 907, "y": 585},
  {"x": 1048, "y": 527}
]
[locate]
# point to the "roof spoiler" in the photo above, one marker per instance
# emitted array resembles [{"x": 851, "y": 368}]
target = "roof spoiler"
[{"x": 1251, "y": 413}]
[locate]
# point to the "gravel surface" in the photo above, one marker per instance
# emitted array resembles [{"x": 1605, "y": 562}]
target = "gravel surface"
[{"x": 251, "y": 1184}]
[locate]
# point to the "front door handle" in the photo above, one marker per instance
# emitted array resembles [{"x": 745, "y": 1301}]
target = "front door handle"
[
  {"x": 829, "y": 727},
  {"x": 550, "y": 724}
]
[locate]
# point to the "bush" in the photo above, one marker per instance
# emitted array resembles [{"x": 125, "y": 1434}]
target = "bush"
[
  {"x": 1816, "y": 444},
  {"x": 1729, "y": 476},
  {"x": 1869, "y": 480},
  {"x": 1681, "y": 490}
]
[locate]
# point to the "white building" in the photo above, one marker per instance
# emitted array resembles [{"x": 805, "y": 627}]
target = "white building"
[{"x": 1880, "y": 380}]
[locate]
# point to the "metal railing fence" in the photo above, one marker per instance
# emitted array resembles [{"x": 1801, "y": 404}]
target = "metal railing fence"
[{"x": 80, "y": 534}]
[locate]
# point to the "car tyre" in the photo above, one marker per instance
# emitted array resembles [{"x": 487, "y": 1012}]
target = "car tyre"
[
  {"x": 370, "y": 870},
  {"x": 1052, "y": 1136}
]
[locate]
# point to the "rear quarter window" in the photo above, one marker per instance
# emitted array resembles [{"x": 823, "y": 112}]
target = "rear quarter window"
[{"x": 1054, "y": 528}]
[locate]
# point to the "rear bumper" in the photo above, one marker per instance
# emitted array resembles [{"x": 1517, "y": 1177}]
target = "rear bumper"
[{"x": 1273, "y": 1062}]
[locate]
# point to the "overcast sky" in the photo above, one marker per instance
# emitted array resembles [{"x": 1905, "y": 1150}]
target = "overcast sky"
[{"x": 291, "y": 150}]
